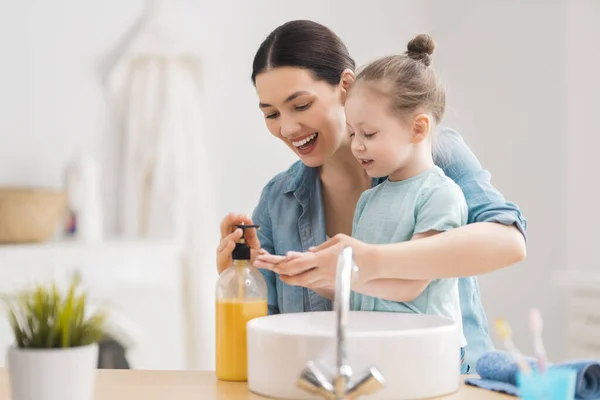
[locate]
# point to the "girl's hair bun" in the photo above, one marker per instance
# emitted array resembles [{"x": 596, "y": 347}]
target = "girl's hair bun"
[{"x": 421, "y": 48}]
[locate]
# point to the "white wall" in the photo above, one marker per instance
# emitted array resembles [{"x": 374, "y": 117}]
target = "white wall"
[
  {"x": 582, "y": 134},
  {"x": 503, "y": 63},
  {"x": 55, "y": 55}
]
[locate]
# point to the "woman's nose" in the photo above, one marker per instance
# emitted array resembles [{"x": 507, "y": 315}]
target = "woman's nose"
[{"x": 289, "y": 127}]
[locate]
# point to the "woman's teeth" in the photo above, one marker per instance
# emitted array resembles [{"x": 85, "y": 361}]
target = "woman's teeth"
[{"x": 305, "y": 141}]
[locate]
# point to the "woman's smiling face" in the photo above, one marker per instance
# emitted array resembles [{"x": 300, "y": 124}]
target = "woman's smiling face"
[{"x": 305, "y": 113}]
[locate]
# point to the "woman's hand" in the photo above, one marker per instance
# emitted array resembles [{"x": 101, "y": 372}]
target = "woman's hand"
[{"x": 230, "y": 235}]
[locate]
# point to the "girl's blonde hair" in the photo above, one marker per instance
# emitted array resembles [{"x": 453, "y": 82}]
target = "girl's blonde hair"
[{"x": 407, "y": 81}]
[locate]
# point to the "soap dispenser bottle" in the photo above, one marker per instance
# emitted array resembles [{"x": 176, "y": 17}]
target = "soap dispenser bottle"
[{"x": 241, "y": 295}]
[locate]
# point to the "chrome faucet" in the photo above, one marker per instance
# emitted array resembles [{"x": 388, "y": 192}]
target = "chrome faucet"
[{"x": 341, "y": 386}]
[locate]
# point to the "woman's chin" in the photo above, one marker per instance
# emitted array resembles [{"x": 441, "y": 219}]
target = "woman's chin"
[{"x": 313, "y": 160}]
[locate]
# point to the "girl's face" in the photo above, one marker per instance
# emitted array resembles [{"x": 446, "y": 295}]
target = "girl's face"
[
  {"x": 306, "y": 114},
  {"x": 380, "y": 141}
]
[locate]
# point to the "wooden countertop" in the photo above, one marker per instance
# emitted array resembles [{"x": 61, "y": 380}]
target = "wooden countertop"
[{"x": 194, "y": 385}]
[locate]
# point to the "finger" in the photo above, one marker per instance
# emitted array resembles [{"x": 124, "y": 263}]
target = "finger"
[
  {"x": 331, "y": 242},
  {"x": 232, "y": 237},
  {"x": 297, "y": 265},
  {"x": 263, "y": 265},
  {"x": 307, "y": 279},
  {"x": 224, "y": 255},
  {"x": 226, "y": 247},
  {"x": 227, "y": 224},
  {"x": 290, "y": 255},
  {"x": 270, "y": 258},
  {"x": 251, "y": 235},
  {"x": 253, "y": 255}
]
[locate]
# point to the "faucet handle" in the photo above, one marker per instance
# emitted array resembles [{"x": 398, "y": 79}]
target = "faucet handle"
[
  {"x": 371, "y": 382},
  {"x": 313, "y": 380}
]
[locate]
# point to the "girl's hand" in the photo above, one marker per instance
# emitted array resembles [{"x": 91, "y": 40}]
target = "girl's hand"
[
  {"x": 230, "y": 235},
  {"x": 265, "y": 260}
]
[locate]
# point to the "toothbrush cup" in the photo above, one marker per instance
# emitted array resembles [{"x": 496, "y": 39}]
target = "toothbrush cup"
[{"x": 556, "y": 383}]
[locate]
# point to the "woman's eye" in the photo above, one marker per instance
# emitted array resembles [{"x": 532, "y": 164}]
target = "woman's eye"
[
  {"x": 272, "y": 116},
  {"x": 303, "y": 107},
  {"x": 368, "y": 135},
  {"x": 351, "y": 134}
]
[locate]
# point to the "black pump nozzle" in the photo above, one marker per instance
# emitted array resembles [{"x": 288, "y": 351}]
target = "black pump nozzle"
[{"x": 242, "y": 250}]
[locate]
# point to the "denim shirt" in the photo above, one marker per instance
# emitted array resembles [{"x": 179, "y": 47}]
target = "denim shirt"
[{"x": 291, "y": 218}]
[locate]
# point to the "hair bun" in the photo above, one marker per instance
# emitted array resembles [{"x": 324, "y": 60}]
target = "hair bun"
[{"x": 420, "y": 48}]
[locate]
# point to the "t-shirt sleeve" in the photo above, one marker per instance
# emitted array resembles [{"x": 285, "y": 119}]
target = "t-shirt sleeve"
[{"x": 441, "y": 208}]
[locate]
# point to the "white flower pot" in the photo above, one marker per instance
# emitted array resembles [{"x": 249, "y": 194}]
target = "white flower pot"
[{"x": 53, "y": 374}]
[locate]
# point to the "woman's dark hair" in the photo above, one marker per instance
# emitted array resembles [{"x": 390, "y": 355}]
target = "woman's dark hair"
[{"x": 304, "y": 44}]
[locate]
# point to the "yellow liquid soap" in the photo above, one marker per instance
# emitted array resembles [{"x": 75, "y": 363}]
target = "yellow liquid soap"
[
  {"x": 241, "y": 296},
  {"x": 231, "y": 352}
]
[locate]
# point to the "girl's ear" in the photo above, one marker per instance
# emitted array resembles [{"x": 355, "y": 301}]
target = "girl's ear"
[
  {"x": 346, "y": 80},
  {"x": 420, "y": 128}
]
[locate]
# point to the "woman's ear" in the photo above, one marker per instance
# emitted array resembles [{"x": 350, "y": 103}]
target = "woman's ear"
[
  {"x": 346, "y": 80},
  {"x": 420, "y": 128}
]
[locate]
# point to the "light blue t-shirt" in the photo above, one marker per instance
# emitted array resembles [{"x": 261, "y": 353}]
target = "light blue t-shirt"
[{"x": 393, "y": 212}]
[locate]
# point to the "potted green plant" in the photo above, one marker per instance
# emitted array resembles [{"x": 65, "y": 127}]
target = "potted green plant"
[{"x": 55, "y": 353}]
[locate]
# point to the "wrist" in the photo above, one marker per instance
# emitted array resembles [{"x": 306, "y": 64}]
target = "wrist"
[{"x": 366, "y": 257}]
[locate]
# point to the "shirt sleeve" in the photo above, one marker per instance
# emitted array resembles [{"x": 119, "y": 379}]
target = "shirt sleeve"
[
  {"x": 485, "y": 202},
  {"x": 441, "y": 208},
  {"x": 261, "y": 217}
]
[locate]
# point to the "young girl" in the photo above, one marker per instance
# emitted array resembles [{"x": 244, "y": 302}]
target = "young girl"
[{"x": 392, "y": 112}]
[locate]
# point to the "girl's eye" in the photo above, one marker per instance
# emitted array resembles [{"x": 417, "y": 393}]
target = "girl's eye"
[
  {"x": 303, "y": 107},
  {"x": 272, "y": 116},
  {"x": 369, "y": 135},
  {"x": 351, "y": 134}
]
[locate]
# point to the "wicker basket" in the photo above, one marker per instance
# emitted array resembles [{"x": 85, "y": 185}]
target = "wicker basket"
[{"x": 30, "y": 215}]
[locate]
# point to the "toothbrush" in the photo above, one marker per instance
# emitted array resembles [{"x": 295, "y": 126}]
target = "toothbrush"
[
  {"x": 506, "y": 335},
  {"x": 536, "y": 324}
]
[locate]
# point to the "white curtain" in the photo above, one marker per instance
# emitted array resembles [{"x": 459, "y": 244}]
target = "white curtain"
[{"x": 166, "y": 187}]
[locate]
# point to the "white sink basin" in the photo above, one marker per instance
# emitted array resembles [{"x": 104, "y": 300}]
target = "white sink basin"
[{"x": 418, "y": 355}]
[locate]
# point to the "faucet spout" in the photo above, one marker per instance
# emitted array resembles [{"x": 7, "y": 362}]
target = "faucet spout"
[{"x": 341, "y": 386}]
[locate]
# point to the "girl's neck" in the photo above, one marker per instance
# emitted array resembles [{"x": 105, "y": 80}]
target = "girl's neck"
[
  {"x": 421, "y": 161},
  {"x": 343, "y": 171}
]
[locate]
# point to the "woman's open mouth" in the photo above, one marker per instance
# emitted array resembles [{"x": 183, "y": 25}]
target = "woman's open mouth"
[{"x": 307, "y": 145}]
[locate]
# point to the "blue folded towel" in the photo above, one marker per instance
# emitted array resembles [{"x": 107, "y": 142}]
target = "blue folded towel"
[{"x": 498, "y": 372}]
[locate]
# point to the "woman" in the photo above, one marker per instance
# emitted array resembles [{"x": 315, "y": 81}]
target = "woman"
[{"x": 302, "y": 72}]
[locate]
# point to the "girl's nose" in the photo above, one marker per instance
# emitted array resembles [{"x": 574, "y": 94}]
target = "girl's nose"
[{"x": 357, "y": 144}]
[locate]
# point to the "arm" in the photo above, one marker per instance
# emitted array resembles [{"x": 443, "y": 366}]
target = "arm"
[
  {"x": 261, "y": 217},
  {"x": 387, "y": 289},
  {"x": 438, "y": 209},
  {"x": 494, "y": 237},
  {"x": 400, "y": 290}
]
